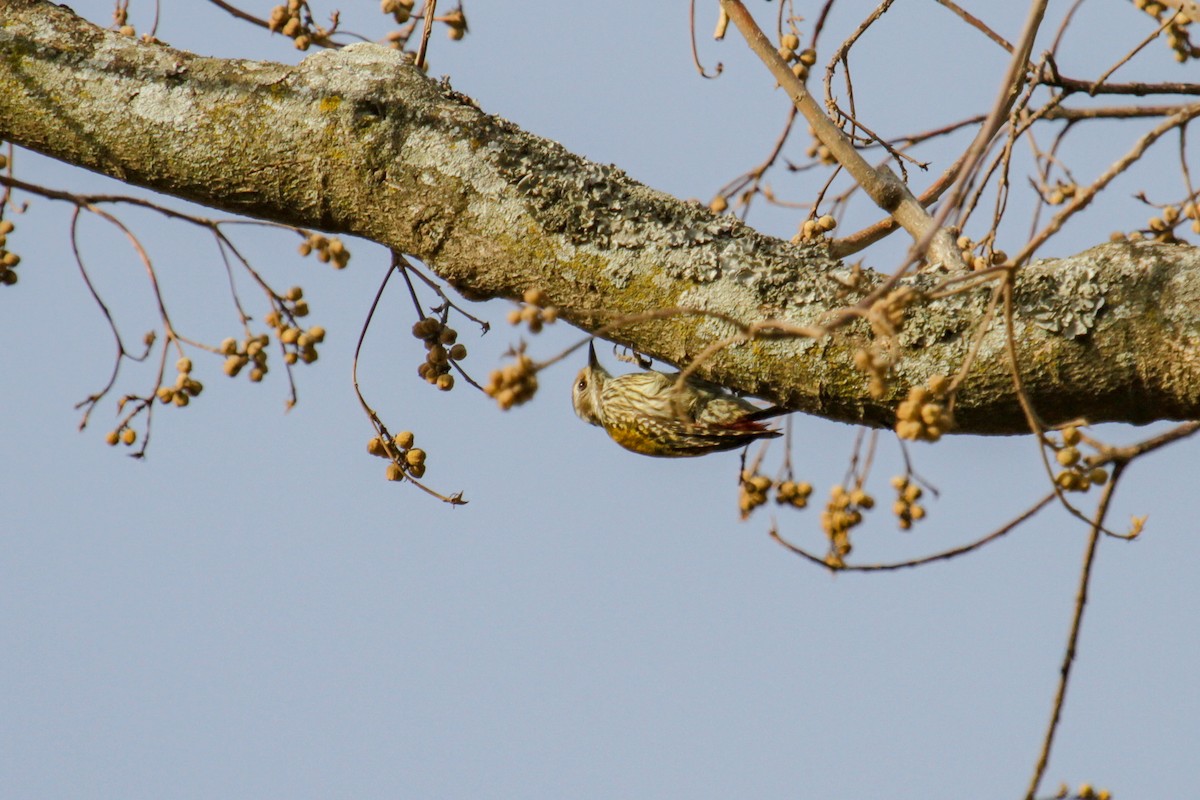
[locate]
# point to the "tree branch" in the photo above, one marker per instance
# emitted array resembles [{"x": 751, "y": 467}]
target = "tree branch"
[{"x": 358, "y": 142}]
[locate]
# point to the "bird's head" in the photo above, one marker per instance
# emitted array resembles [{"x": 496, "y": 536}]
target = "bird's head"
[{"x": 585, "y": 394}]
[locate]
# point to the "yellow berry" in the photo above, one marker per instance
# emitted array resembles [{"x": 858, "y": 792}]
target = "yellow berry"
[
  {"x": 1067, "y": 456},
  {"x": 931, "y": 413},
  {"x": 128, "y": 436}
]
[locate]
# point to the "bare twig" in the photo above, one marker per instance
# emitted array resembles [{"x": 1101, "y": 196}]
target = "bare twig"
[
  {"x": 695, "y": 53},
  {"x": 1084, "y": 196},
  {"x": 1008, "y": 527},
  {"x": 398, "y": 265},
  {"x": 881, "y": 185},
  {"x": 1085, "y": 577},
  {"x": 430, "y": 8}
]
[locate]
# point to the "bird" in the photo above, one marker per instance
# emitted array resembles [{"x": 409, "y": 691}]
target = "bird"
[{"x": 643, "y": 412}]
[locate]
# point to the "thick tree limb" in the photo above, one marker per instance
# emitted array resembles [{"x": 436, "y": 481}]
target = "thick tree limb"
[{"x": 355, "y": 141}]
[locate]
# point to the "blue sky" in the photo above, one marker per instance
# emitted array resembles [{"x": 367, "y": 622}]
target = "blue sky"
[{"x": 254, "y": 612}]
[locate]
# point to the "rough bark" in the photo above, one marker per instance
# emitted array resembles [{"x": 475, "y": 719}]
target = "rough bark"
[{"x": 356, "y": 142}]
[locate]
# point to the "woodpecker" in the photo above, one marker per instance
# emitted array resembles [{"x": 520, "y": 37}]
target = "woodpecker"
[{"x": 643, "y": 412}]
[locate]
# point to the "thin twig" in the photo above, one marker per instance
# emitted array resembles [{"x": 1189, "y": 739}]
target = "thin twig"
[
  {"x": 1084, "y": 196},
  {"x": 1085, "y": 577},
  {"x": 398, "y": 264},
  {"x": 881, "y": 185},
  {"x": 696, "y": 53},
  {"x": 918, "y": 562},
  {"x": 430, "y": 8}
]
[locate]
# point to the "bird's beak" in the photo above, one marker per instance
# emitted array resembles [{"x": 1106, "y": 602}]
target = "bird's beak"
[{"x": 592, "y": 362}]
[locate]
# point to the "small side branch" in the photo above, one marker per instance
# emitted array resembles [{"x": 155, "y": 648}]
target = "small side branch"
[{"x": 881, "y": 185}]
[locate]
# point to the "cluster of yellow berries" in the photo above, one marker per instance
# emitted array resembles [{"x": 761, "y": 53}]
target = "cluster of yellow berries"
[
  {"x": 289, "y": 20},
  {"x": 815, "y": 228},
  {"x": 186, "y": 387},
  {"x": 793, "y": 493},
  {"x": 789, "y": 51},
  {"x": 405, "y": 459},
  {"x": 819, "y": 151},
  {"x": 886, "y": 314},
  {"x": 514, "y": 384},
  {"x": 252, "y": 349},
  {"x": 754, "y": 488},
  {"x": 924, "y": 416},
  {"x": 875, "y": 363},
  {"x": 400, "y": 10},
  {"x": 456, "y": 23},
  {"x": 298, "y": 344},
  {"x": 1061, "y": 193},
  {"x": 752, "y": 492},
  {"x": 1162, "y": 228},
  {"x": 1085, "y": 792},
  {"x": 978, "y": 262},
  {"x": 328, "y": 249},
  {"x": 842, "y": 513},
  {"x": 535, "y": 313},
  {"x": 1177, "y": 27},
  {"x": 8, "y": 259},
  {"x": 294, "y": 304},
  {"x": 1077, "y": 475},
  {"x": 126, "y": 436},
  {"x": 440, "y": 350},
  {"x": 121, "y": 22},
  {"x": 906, "y": 508}
]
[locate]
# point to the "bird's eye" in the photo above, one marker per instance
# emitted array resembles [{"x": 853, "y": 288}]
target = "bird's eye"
[{"x": 582, "y": 384}]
